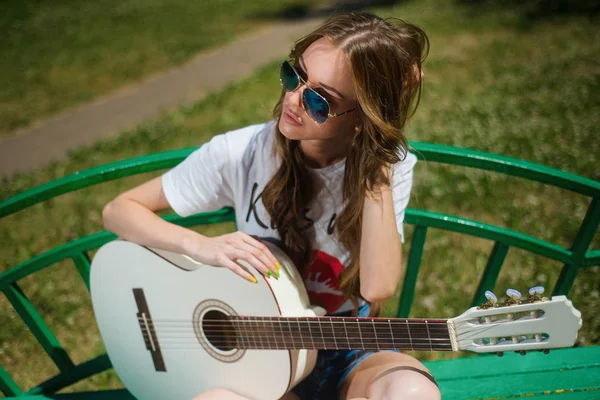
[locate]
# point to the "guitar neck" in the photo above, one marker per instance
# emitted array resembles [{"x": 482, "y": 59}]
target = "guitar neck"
[{"x": 333, "y": 333}]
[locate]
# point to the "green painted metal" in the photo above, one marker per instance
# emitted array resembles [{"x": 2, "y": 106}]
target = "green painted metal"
[
  {"x": 412, "y": 271},
  {"x": 38, "y": 327},
  {"x": 490, "y": 274},
  {"x": 506, "y": 165},
  {"x": 62, "y": 252},
  {"x": 474, "y": 228},
  {"x": 573, "y": 370},
  {"x": 592, "y": 258},
  {"x": 83, "y": 263},
  {"x": 117, "y": 394},
  {"x": 7, "y": 385},
  {"x": 576, "y": 257},
  {"x": 580, "y": 245},
  {"x": 424, "y": 151},
  {"x": 84, "y": 370},
  {"x": 76, "y": 247},
  {"x": 93, "y": 176}
]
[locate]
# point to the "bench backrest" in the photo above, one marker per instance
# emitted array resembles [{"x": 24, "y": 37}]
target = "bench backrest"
[{"x": 577, "y": 256}]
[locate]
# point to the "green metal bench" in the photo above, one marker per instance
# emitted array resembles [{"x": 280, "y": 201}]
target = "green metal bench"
[{"x": 568, "y": 373}]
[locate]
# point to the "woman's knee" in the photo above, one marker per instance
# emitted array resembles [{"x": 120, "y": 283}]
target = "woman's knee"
[{"x": 404, "y": 384}]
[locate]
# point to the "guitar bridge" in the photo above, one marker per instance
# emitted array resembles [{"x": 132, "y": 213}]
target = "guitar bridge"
[{"x": 148, "y": 332}]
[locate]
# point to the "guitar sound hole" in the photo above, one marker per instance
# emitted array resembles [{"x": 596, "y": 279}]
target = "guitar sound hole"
[{"x": 219, "y": 331}]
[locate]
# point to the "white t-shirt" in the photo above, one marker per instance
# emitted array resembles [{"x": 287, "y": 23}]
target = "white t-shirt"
[{"x": 233, "y": 169}]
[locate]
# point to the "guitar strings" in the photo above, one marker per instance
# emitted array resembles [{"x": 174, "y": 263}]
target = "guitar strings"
[
  {"x": 248, "y": 337},
  {"x": 268, "y": 333},
  {"x": 321, "y": 320},
  {"x": 275, "y": 344},
  {"x": 270, "y": 339}
]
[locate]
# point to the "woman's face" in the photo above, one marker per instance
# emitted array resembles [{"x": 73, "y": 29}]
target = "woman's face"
[{"x": 327, "y": 71}]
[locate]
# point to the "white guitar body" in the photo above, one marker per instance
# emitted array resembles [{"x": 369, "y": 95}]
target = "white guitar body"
[{"x": 179, "y": 293}]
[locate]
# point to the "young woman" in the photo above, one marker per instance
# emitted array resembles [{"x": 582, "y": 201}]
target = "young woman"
[{"x": 328, "y": 179}]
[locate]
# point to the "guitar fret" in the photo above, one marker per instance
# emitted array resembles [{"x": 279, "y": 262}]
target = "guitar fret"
[
  {"x": 409, "y": 335},
  {"x": 272, "y": 334},
  {"x": 283, "y": 338},
  {"x": 392, "y": 334},
  {"x": 289, "y": 321},
  {"x": 260, "y": 330},
  {"x": 333, "y": 333},
  {"x": 312, "y": 339},
  {"x": 257, "y": 331},
  {"x": 238, "y": 334},
  {"x": 360, "y": 333},
  {"x": 322, "y": 336},
  {"x": 428, "y": 335},
  {"x": 346, "y": 330},
  {"x": 375, "y": 332},
  {"x": 300, "y": 331},
  {"x": 248, "y": 332}
]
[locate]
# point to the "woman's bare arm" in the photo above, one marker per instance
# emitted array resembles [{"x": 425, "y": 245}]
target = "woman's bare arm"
[
  {"x": 380, "y": 247},
  {"x": 132, "y": 216}
]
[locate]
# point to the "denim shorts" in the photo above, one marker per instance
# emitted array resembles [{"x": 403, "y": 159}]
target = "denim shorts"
[{"x": 332, "y": 369}]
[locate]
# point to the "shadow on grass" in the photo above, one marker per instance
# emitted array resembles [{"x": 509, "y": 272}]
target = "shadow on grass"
[
  {"x": 535, "y": 10},
  {"x": 304, "y": 11}
]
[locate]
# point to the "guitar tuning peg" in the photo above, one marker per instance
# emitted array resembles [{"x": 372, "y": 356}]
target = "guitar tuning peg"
[
  {"x": 521, "y": 352},
  {"x": 536, "y": 290},
  {"x": 492, "y": 300},
  {"x": 535, "y": 293},
  {"x": 500, "y": 354},
  {"x": 491, "y": 297},
  {"x": 514, "y": 296}
]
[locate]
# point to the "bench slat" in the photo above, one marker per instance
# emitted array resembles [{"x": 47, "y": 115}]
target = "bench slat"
[
  {"x": 575, "y": 370},
  {"x": 118, "y": 394}
]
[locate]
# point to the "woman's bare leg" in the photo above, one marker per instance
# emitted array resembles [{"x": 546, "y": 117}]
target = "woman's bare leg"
[
  {"x": 384, "y": 376},
  {"x": 224, "y": 394}
]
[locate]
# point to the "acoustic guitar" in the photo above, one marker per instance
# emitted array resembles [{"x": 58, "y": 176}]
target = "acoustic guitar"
[{"x": 174, "y": 327}]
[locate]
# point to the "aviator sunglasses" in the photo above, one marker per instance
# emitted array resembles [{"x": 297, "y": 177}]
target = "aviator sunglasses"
[{"x": 315, "y": 105}]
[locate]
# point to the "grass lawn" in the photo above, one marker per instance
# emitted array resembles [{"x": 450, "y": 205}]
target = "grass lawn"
[
  {"x": 529, "y": 90},
  {"x": 56, "y": 55}
]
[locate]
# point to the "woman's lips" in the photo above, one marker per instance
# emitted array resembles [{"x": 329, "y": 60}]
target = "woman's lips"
[{"x": 291, "y": 118}]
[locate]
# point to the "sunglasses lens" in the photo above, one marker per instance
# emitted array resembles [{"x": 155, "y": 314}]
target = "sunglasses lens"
[
  {"x": 289, "y": 78},
  {"x": 315, "y": 105}
]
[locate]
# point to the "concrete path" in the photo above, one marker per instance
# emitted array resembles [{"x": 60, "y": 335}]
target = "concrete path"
[{"x": 52, "y": 138}]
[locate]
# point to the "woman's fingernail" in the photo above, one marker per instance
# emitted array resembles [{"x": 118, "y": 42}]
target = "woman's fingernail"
[
  {"x": 277, "y": 274},
  {"x": 277, "y": 265},
  {"x": 253, "y": 280},
  {"x": 268, "y": 272}
]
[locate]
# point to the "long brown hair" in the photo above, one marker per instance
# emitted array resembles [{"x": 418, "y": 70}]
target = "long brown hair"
[{"x": 385, "y": 58}]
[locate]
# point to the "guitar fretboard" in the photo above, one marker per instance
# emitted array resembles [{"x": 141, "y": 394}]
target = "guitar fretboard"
[{"x": 333, "y": 333}]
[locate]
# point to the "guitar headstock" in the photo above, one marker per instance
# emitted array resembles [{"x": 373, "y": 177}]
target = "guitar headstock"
[{"x": 536, "y": 323}]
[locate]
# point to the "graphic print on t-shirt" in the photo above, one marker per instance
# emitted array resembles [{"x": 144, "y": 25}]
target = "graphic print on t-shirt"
[{"x": 322, "y": 282}]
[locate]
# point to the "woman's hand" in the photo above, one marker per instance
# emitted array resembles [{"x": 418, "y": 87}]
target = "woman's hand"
[{"x": 226, "y": 249}]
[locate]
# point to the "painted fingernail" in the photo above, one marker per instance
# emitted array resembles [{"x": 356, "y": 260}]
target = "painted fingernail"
[
  {"x": 277, "y": 265},
  {"x": 268, "y": 272},
  {"x": 253, "y": 280},
  {"x": 277, "y": 274}
]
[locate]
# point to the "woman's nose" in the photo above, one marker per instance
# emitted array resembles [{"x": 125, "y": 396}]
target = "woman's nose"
[{"x": 296, "y": 95}]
